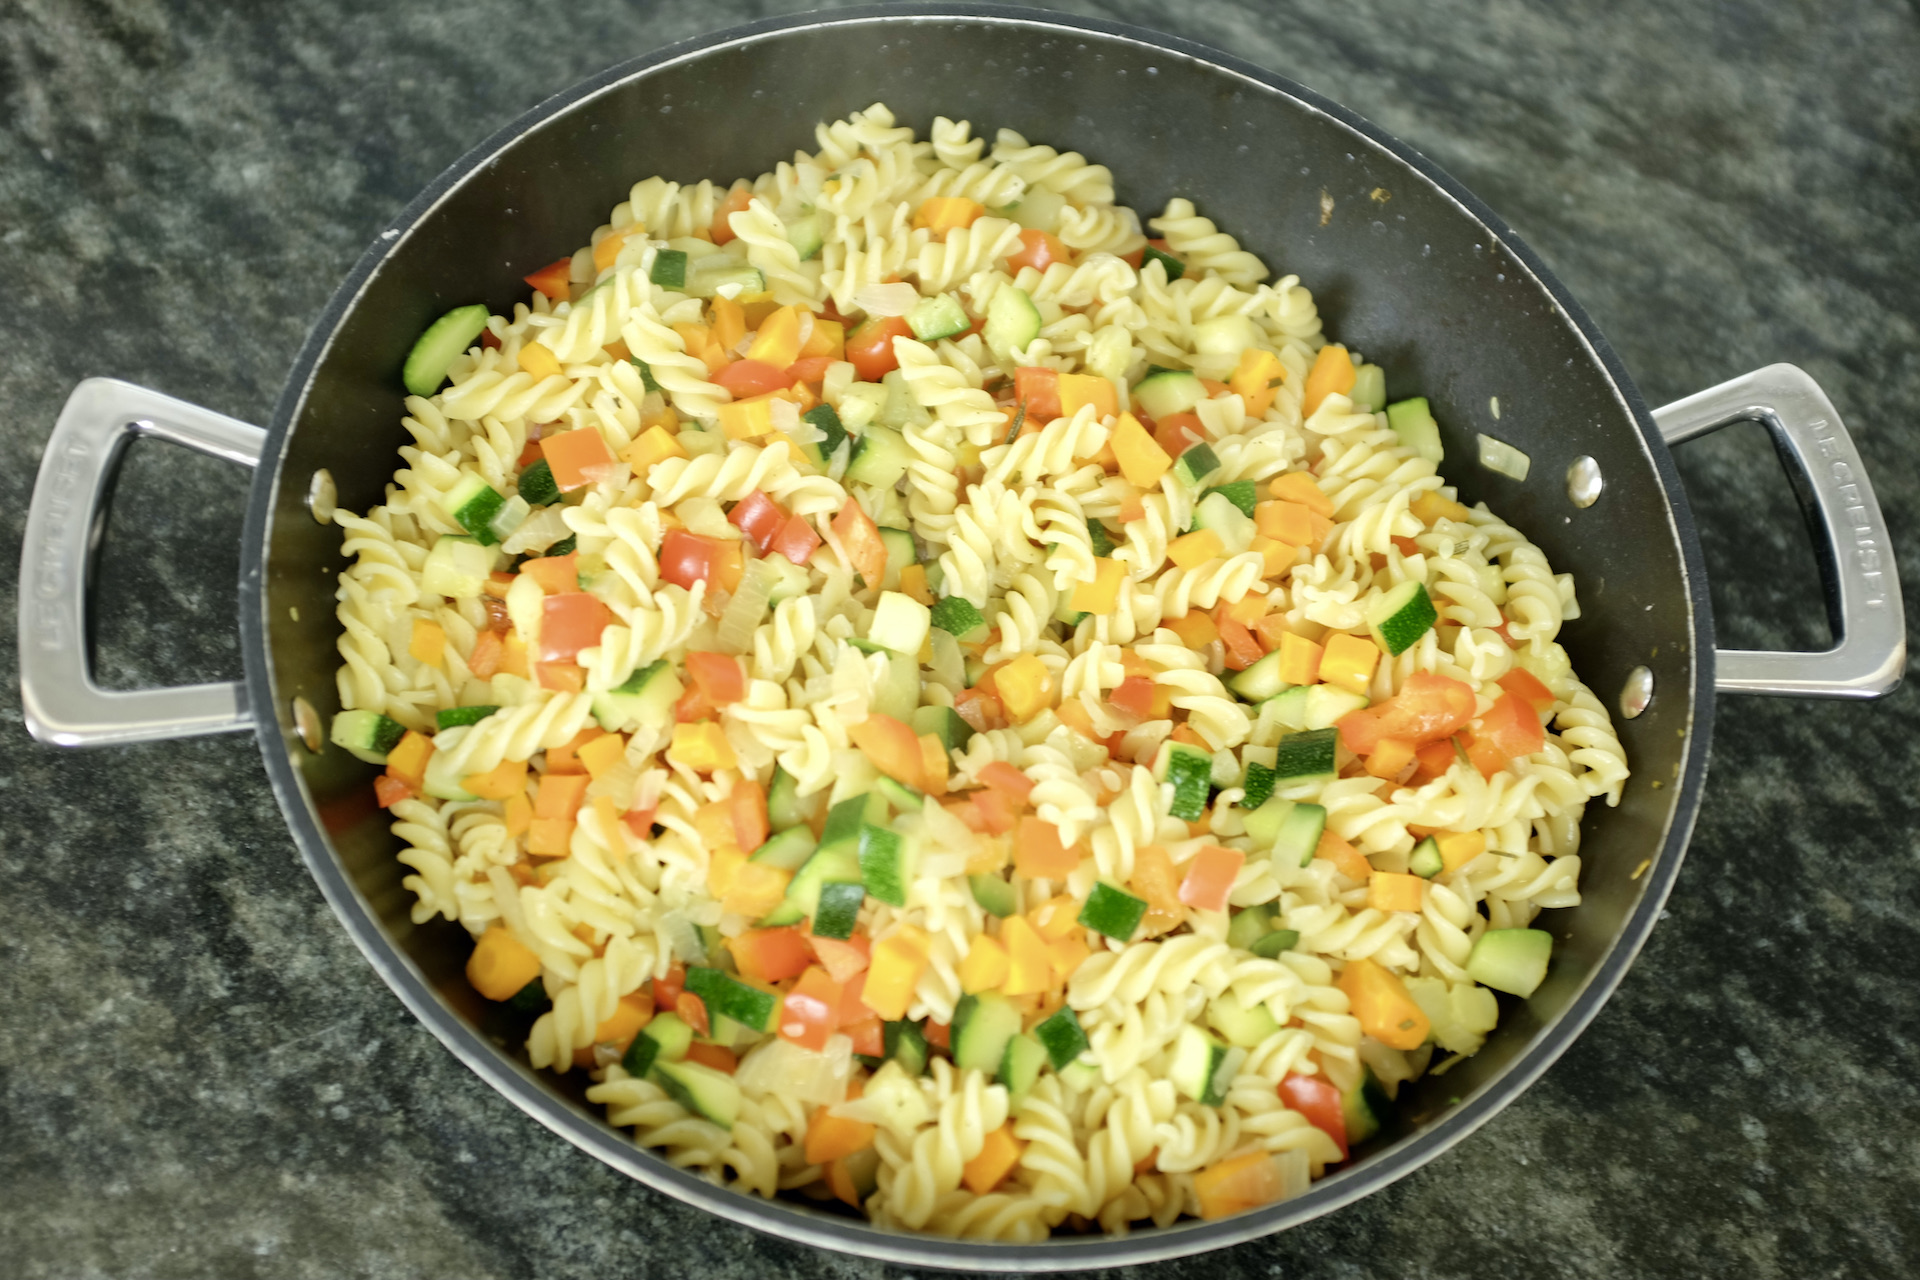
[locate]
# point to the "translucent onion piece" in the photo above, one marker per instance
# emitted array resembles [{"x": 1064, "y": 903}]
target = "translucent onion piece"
[
  {"x": 510, "y": 517},
  {"x": 949, "y": 664},
  {"x": 1498, "y": 455},
  {"x": 781, "y": 1067},
  {"x": 786, "y": 417},
  {"x": 886, "y": 299},
  {"x": 538, "y": 532},
  {"x": 746, "y": 608},
  {"x": 678, "y": 929}
]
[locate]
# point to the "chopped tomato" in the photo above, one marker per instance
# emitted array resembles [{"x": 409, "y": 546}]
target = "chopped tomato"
[
  {"x": 687, "y": 558},
  {"x": 893, "y": 748},
  {"x": 1210, "y": 877},
  {"x": 1002, "y": 776},
  {"x": 1485, "y": 755},
  {"x": 1039, "y": 390},
  {"x": 747, "y": 378},
  {"x": 797, "y": 540},
  {"x": 721, "y": 232},
  {"x": 713, "y": 1055},
  {"x": 552, "y": 280},
  {"x": 666, "y": 991},
  {"x": 1178, "y": 432},
  {"x": 810, "y": 1013},
  {"x": 939, "y": 1034},
  {"x": 1427, "y": 707},
  {"x": 771, "y": 955},
  {"x": 570, "y": 622},
  {"x": 866, "y": 1037},
  {"x": 1513, "y": 726},
  {"x": 809, "y": 368},
  {"x": 861, "y": 538},
  {"x": 490, "y": 341},
  {"x": 759, "y": 517},
  {"x": 997, "y": 810},
  {"x": 693, "y": 706},
  {"x": 870, "y": 347},
  {"x": 1525, "y": 684},
  {"x": 1134, "y": 696},
  {"x": 1038, "y": 250},
  {"x": 843, "y": 959},
  {"x": 390, "y": 791},
  {"x": 1315, "y": 1098},
  {"x": 720, "y": 678},
  {"x": 579, "y": 458},
  {"x": 1431, "y": 761}
]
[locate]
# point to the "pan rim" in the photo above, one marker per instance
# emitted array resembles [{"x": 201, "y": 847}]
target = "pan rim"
[{"x": 522, "y": 1087}]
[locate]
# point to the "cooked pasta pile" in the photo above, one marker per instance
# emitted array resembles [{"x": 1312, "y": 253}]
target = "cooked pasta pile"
[{"x": 937, "y": 702}]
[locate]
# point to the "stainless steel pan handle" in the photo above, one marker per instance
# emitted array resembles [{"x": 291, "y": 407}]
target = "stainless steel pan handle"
[
  {"x": 57, "y": 693},
  {"x": 1856, "y": 564}
]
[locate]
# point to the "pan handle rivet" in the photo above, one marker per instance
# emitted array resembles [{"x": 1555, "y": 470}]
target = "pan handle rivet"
[
  {"x": 322, "y": 497},
  {"x": 1638, "y": 692},
  {"x": 1584, "y": 482},
  {"x": 307, "y": 721}
]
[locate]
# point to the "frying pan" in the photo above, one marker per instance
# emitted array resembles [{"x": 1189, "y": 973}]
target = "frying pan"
[{"x": 1404, "y": 264}]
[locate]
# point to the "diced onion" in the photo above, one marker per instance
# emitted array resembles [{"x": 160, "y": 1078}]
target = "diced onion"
[
  {"x": 678, "y": 929},
  {"x": 745, "y": 609},
  {"x": 949, "y": 664},
  {"x": 538, "y": 532},
  {"x": 1498, "y": 455},
  {"x": 886, "y": 299},
  {"x": 786, "y": 416},
  {"x": 782, "y": 1067}
]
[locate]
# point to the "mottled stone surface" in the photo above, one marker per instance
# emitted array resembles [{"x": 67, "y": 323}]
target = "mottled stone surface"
[{"x": 199, "y": 1076}]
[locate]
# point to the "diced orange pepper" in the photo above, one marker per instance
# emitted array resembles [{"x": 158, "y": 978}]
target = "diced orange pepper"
[
  {"x": 828, "y": 340},
  {"x": 1038, "y": 853},
  {"x": 730, "y": 325},
  {"x": 778, "y": 341},
  {"x": 829, "y": 1137},
  {"x": 565, "y": 757},
  {"x": 1299, "y": 659},
  {"x": 1188, "y": 734},
  {"x": 1298, "y": 486},
  {"x": 768, "y": 956},
  {"x": 934, "y": 765},
  {"x": 519, "y": 814},
  {"x": 579, "y": 458},
  {"x": 898, "y": 961},
  {"x": 1030, "y": 965},
  {"x": 550, "y": 837},
  {"x": 1247, "y": 610},
  {"x": 653, "y": 445},
  {"x": 1381, "y": 1003},
  {"x": 1192, "y": 550},
  {"x": 1349, "y": 861},
  {"x": 513, "y": 658},
  {"x": 561, "y": 677},
  {"x": 892, "y": 747},
  {"x": 1142, "y": 460},
  {"x": 1284, "y": 521},
  {"x": 501, "y": 965},
  {"x": 1056, "y": 917},
  {"x": 408, "y": 759},
  {"x": 723, "y": 867},
  {"x": 1156, "y": 880},
  {"x": 508, "y": 778},
  {"x": 560, "y": 795},
  {"x": 1431, "y": 506},
  {"x": 1332, "y": 373},
  {"x": 999, "y": 1153},
  {"x": 602, "y": 754},
  {"x": 1195, "y": 629},
  {"x": 1392, "y": 891},
  {"x": 428, "y": 643},
  {"x": 1064, "y": 955},
  {"x": 1276, "y": 558},
  {"x": 1458, "y": 848},
  {"x": 756, "y": 889},
  {"x": 1080, "y": 389},
  {"x": 1255, "y": 378},
  {"x": 1348, "y": 662},
  {"x": 985, "y": 967},
  {"x": 555, "y": 574},
  {"x": 713, "y": 1055},
  {"x": 747, "y": 419},
  {"x": 607, "y": 251},
  {"x": 913, "y": 584}
]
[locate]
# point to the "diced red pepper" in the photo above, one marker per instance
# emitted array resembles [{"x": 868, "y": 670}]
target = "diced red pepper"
[
  {"x": 1513, "y": 726},
  {"x": 570, "y": 622},
  {"x": 390, "y": 791},
  {"x": 552, "y": 280},
  {"x": 861, "y": 538},
  {"x": 797, "y": 540},
  {"x": 870, "y": 346},
  {"x": 1315, "y": 1098},
  {"x": 1039, "y": 390},
  {"x": 748, "y": 378},
  {"x": 693, "y": 706},
  {"x": 719, "y": 677},
  {"x": 666, "y": 991},
  {"x": 687, "y": 558},
  {"x": 759, "y": 517},
  {"x": 1002, "y": 776},
  {"x": 810, "y": 1013},
  {"x": 1242, "y": 649},
  {"x": 866, "y": 1037}
]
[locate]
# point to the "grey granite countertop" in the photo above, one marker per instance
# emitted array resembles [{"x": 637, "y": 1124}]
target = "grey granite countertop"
[{"x": 199, "y": 1076}]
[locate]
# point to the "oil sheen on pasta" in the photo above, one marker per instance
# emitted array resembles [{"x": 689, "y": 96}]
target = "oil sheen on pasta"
[{"x": 596, "y": 871}]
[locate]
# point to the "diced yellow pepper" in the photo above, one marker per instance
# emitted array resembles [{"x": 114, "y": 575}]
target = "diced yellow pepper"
[
  {"x": 724, "y": 864},
  {"x": 1255, "y": 378},
  {"x": 1299, "y": 659},
  {"x": 747, "y": 419},
  {"x": 1332, "y": 373},
  {"x": 898, "y": 961},
  {"x": 1196, "y": 630},
  {"x": 504, "y": 781},
  {"x": 729, "y": 325},
  {"x": 1298, "y": 486},
  {"x": 999, "y": 1153},
  {"x": 1431, "y": 506},
  {"x": 1030, "y": 964},
  {"x": 1284, "y": 521},
  {"x": 829, "y": 338},
  {"x": 701, "y": 747},
  {"x": 602, "y": 753},
  {"x": 1080, "y": 389},
  {"x": 985, "y": 967},
  {"x": 1348, "y": 661},
  {"x": 513, "y": 657},
  {"x": 713, "y": 823},
  {"x": 757, "y": 307},
  {"x": 539, "y": 361},
  {"x": 913, "y": 584},
  {"x": 1276, "y": 557},
  {"x": 1248, "y": 609},
  {"x": 1142, "y": 460},
  {"x": 408, "y": 759},
  {"x": 1056, "y": 917},
  {"x": 990, "y": 856},
  {"x": 1067, "y": 954},
  {"x": 1100, "y": 595},
  {"x": 519, "y": 814},
  {"x": 757, "y": 888},
  {"x": 1458, "y": 848},
  {"x": 1393, "y": 891},
  {"x": 778, "y": 341},
  {"x": 1192, "y": 550},
  {"x": 1025, "y": 687},
  {"x": 941, "y": 214},
  {"x": 653, "y": 445},
  {"x": 607, "y": 251},
  {"x": 428, "y": 643}
]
